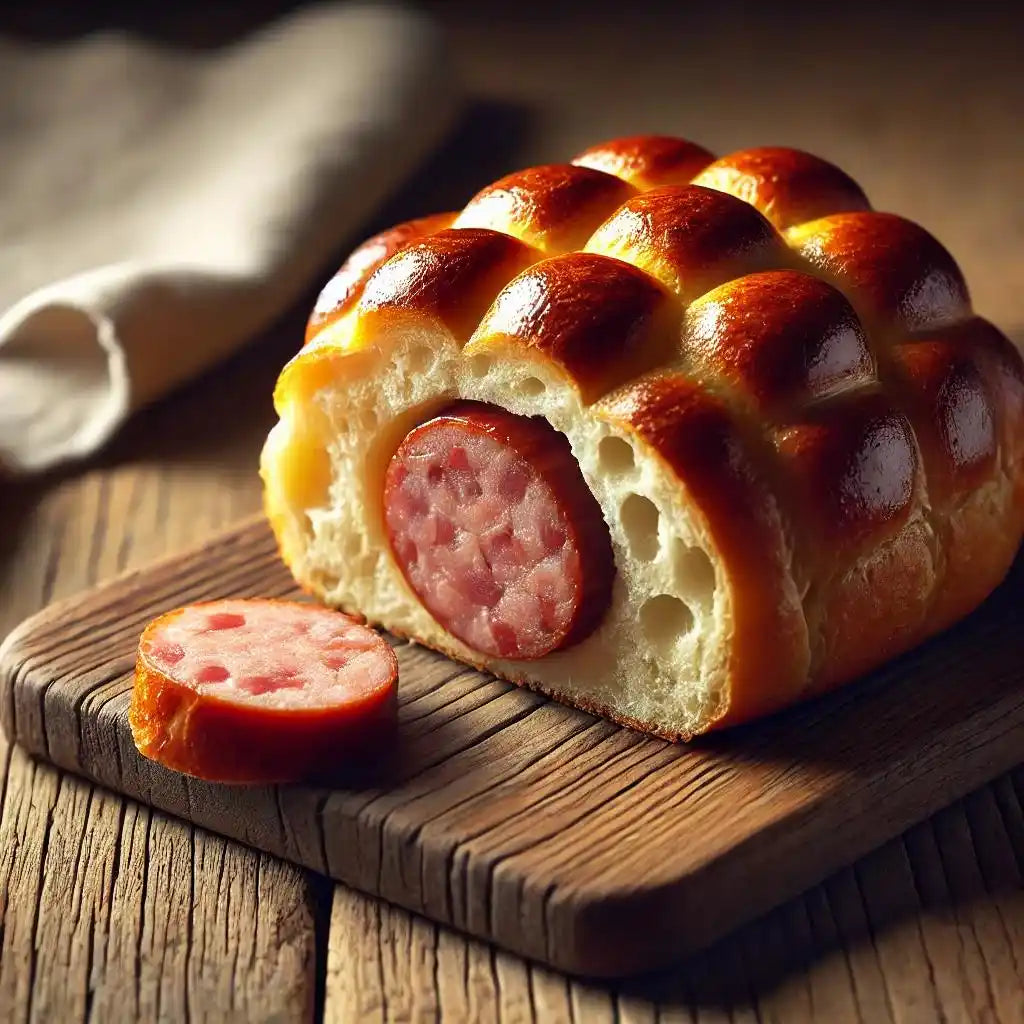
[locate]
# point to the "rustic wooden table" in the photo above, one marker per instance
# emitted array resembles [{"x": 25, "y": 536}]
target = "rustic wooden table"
[{"x": 110, "y": 911}]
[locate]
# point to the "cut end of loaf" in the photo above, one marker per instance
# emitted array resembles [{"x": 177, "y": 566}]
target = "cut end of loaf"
[{"x": 656, "y": 657}]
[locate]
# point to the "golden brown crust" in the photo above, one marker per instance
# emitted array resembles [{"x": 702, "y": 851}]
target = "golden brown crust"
[
  {"x": 721, "y": 463},
  {"x": 342, "y": 291},
  {"x": 945, "y": 395},
  {"x": 554, "y": 208},
  {"x": 852, "y": 484},
  {"x": 897, "y": 275},
  {"x": 955, "y": 407},
  {"x": 854, "y": 467},
  {"x": 873, "y": 611},
  {"x": 781, "y": 338},
  {"x": 449, "y": 278},
  {"x": 647, "y": 161},
  {"x": 787, "y": 185},
  {"x": 690, "y": 238},
  {"x": 629, "y": 322},
  {"x": 979, "y": 539},
  {"x": 1000, "y": 363}
]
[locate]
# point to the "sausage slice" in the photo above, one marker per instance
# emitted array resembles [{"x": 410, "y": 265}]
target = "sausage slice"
[
  {"x": 260, "y": 691},
  {"x": 493, "y": 526}
]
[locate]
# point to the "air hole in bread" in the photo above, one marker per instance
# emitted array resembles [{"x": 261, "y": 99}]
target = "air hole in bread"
[
  {"x": 664, "y": 619},
  {"x": 368, "y": 419},
  {"x": 616, "y": 455},
  {"x": 693, "y": 572},
  {"x": 480, "y": 366},
  {"x": 640, "y": 517},
  {"x": 533, "y": 386},
  {"x": 420, "y": 359}
]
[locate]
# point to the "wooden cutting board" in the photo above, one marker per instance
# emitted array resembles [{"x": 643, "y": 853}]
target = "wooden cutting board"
[{"x": 550, "y": 832}]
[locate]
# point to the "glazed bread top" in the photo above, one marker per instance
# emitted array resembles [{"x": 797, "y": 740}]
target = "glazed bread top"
[
  {"x": 763, "y": 274},
  {"x": 810, "y": 369}
]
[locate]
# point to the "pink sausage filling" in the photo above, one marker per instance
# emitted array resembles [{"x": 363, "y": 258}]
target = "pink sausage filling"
[
  {"x": 483, "y": 536},
  {"x": 274, "y": 654}
]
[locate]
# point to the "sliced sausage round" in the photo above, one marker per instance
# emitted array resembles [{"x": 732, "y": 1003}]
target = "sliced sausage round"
[
  {"x": 492, "y": 524},
  {"x": 261, "y": 691}
]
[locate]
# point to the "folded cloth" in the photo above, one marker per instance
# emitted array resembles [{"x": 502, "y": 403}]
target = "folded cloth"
[{"x": 158, "y": 207}]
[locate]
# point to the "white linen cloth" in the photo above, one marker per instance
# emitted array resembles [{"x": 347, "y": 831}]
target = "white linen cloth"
[{"x": 158, "y": 207}]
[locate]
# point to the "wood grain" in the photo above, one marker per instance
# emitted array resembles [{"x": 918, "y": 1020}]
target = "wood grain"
[
  {"x": 539, "y": 827},
  {"x": 875, "y": 944},
  {"x": 136, "y": 916}
]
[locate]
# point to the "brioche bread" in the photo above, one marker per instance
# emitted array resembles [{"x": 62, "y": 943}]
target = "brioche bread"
[{"x": 807, "y": 450}]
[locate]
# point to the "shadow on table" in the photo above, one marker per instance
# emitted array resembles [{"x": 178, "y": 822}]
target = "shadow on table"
[
  {"x": 17, "y": 500},
  {"x": 866, "y": 923}
]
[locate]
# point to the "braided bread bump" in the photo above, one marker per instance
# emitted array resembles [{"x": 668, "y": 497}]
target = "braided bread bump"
[
  {"x": 753, "y": 417},
  {"x": 912, "y": 298},
  {"x": 647, "y": 161},
  {"x": 788, "y": 186},
  {"x": 341, "y": 293},
  {"x": 1000, "y": 365},
  {"x": 791, "y": 351},
  {"x": 553, "y": 208}
]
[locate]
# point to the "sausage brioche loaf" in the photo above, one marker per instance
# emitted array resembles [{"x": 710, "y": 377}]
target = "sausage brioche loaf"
[{"x": 806, "y": 451}]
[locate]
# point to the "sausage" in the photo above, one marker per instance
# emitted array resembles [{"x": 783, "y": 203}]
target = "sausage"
[
  {"x": 261, "y": 691},
  {"x": 494, "y": 528}
]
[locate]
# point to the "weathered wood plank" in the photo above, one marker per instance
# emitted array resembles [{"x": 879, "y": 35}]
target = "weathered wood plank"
[
  {"x": 866, "y": 947},
  {"x": 544, "y": 829},
  {"x": 112, "y": 911}
]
